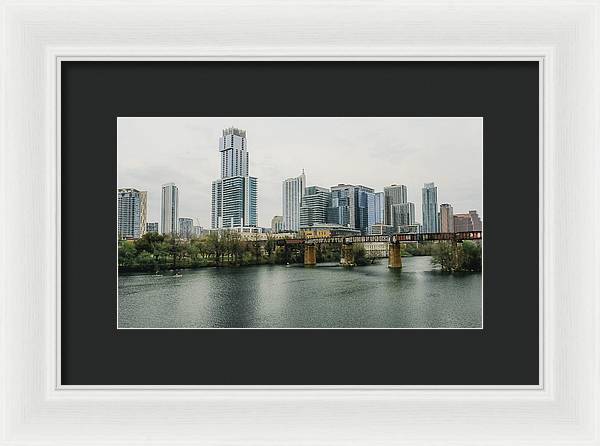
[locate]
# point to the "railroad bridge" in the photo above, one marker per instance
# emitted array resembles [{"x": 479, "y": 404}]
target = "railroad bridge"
[{"x": 394, "y": 244}]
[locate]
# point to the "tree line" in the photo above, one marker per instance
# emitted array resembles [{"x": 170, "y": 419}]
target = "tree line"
[{"x": 154, "y": 252}]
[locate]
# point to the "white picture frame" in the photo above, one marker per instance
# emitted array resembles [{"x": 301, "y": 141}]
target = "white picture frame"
[{"x": 563, "y": 36}]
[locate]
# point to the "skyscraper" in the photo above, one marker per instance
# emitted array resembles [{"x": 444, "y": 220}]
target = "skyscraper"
[
  {"x": 379, "y": 207},
  {"x": 234, "y": 198},
  {"x": 292, "y": 193},
  {"x": 131, "y": 213},
  {"x": 365, "y": 208},
  {"x": 313, "y": 209},
  {"x": 430, "y": 206},
  {"x": 394, "y": 194},
  {"x": 169, "y": 209},
  {"x": 143, "y": 211},
  {"x": 446, "y": 218},
  {"x": 342, "y": 210}
]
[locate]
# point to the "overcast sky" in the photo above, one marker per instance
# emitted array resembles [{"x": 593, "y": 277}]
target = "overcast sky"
[{"x": 374, "y": 152}]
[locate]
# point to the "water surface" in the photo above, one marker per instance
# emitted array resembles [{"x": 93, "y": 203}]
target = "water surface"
[{"x": 418, "y": 296}]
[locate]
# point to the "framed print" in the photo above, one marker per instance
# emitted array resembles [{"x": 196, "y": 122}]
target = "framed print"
[{"x": 364, "y": 231}]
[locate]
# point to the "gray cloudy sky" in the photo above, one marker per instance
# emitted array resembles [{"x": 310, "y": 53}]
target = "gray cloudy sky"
[{"x": 375, "y": 152}]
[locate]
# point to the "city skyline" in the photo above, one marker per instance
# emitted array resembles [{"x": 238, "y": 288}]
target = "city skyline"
[{"x": 414, "y": 151}]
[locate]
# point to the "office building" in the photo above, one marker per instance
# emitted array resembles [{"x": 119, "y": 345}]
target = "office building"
[
  {"x": 186, "y": 227},
  {"x": 430, "y": 208},
  {"x": 234, "y": 196},
  {"x": 313, "y": 208},
  {"x": 197, "y": 231},
  {"x": 277, "y": 224},
  {"x": 365, "y": 208},
  {"x": 446, "y": 218},
  {"x": 402, "y": 214},
  {"x": 394, "y": 194},
  {"x": 131, "y": 213},
  {"x": 381, "y": 229},
  {"x": 169, "y": 209},
  {"x": 379, "y": 207},
  {"x": 292, "y": 193},
  {"x": 467, "y": 222},
  {"x": 414, "y": 229},
  {"x": 342, "y": 208},
  {"x": 152, "y": 227}
]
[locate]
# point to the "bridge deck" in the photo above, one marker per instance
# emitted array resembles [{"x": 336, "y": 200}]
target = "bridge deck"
[{"x": 396, "y": 238}]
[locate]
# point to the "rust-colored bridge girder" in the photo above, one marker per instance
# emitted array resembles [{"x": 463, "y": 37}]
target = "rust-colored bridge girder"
[{"x": 456, "y": 237}]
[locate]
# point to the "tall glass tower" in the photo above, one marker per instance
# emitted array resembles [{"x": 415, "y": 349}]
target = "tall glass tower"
[
  {"x": 430, "y": 207},
  {"x": 235, "y": 194},
  {"x": 293, "y": 190},
  {"x": 169, "y": 209}
]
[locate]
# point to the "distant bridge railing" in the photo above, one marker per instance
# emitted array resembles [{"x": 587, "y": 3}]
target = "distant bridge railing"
[{"x": 395, "y": 238}]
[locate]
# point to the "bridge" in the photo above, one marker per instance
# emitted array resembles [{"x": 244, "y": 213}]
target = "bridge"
[{"x": 394, "y": 244}]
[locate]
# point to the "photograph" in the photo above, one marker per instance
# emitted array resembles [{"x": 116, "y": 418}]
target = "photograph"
[{"x": 299, "y": 223}]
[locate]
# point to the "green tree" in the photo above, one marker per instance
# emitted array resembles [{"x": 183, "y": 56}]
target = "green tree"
[
  {"x": 360, "y": 255},
  {"x": 444, "y": 255}
]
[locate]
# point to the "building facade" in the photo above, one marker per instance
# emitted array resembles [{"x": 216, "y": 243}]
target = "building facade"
[
  {"x": 131, "y": 213},
  {"x": 430, "y": 208},
  {"x": 467, "y": 222},
  {"x": 394, "y": 194},
  {"x": 381, "y": 229},
  {"x": 292, "y": 192},
  {"x": 402, "y": 214},
  {"x": 186, "y": 227},
  {"x": 169, "y": 209},
  {"x": 234, "y": 196},
  {"x": 446, "y": 218},
  {"x": 277, "y": 224},
  {"x": 379, "y": 207},
  {"x": 365, "y": 208},
  {"x": 313, "y": 208},
  {"x": 342, "y": 208},
  {"x": 152, "y": 227}
]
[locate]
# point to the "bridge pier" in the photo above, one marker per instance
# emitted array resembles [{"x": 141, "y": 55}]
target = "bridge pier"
[
  {"x": 347, "y": 255},
  {"x": 395, "y": 256},
  {"x": 310, "y": 255}
]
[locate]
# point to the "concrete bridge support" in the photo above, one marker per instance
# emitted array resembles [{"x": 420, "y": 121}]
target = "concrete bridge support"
[
  {"x": 395, "y": 257},
  {"x": 347, "y": 255},
  {"x": 310, "y": 255}
]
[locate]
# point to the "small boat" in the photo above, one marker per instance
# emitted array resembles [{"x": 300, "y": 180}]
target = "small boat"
[{"x": 177, "y": 275}]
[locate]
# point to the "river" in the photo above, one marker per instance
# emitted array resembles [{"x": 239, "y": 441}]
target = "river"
[{"x": 325, "y": 296}]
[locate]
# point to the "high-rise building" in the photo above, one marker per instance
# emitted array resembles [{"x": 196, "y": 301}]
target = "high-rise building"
[
  {"x": 143, "y": 211},
  {"x": 313, "y": 209},
  {"x": 234, "y": 155},
  {"x": 467, "y": 222},
  {"x": 186, "y": 227},
  {"x": 198, "y": 231},
  {"x": 131, "y": 213},
  {"x": 365, "y": 208},
  {"x": 234, "y": 198},
  {"x": 343, "y": 204},
  {"x": 394, "y": 194},
  {"x": 402, "y": 214},
  {"x": 379, "y": 207},
  {"x": 277, "y": 224},
  {"x": 446, "y": 218},
  {"x": 430, "y": 208},
  {"x": 292, "y": 193},
  {"x": 152, "y": 227},
  {"x": 169, "y": 209}
]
